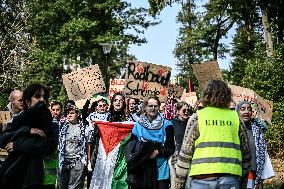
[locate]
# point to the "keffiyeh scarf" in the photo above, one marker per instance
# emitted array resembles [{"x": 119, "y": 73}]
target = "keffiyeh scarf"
[
  {"x": 62, "y": 143},
  {"x": 261, "y": 148},
  {"x": 157, "y": 123}
]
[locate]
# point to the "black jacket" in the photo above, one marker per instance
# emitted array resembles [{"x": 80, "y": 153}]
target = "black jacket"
[
  {"x": 179, "y": 130},
  {"x": 25, "y": 163},
  {"x": 141, "y": 170}
]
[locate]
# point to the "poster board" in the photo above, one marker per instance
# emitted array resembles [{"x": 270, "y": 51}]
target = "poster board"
[
  {"x": 146, "y": 79},
  {"x": 205, "y": 72},
  {"x": 116, "y": 85},
  {"x": 175, "y": 91},
  {"x": 244, "y": 94},
  {"x": 4, "y": 117},
  {"x": 79, "y": 84},
  {"x": 190, "y": 98}
]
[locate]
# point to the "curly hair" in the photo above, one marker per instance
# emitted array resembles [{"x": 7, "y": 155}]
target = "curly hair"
[{"x": 217, "y": 94}]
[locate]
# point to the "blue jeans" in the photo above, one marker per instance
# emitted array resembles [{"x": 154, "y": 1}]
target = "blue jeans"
[{"x": 225, "y": 182}]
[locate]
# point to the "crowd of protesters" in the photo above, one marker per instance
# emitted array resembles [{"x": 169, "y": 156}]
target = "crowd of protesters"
[{"x": 215, "y": 143}]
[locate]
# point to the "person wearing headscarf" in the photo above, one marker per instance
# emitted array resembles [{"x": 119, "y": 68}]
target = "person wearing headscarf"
[{"x": 257, "y": 144}]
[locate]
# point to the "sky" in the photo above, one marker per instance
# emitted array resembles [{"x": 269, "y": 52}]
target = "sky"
[{"x": 162, "y": 39}]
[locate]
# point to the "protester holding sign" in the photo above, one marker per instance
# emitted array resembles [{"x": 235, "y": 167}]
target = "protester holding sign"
[{"x": 152, "y": 127}]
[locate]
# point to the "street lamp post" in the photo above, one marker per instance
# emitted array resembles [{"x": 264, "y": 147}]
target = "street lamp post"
[{"x": 106, "y": 49}]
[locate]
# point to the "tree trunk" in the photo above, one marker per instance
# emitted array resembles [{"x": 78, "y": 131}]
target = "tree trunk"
[{"x": 267, "y": 33}]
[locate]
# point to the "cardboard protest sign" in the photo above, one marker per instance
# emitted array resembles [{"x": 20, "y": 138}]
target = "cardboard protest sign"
[
  {"x": 190, "y": 98},
  {"x": 4, "y": 117},
  {"x": 205, "y": 72},
  {"x": 145, "y": 79},
  {"x": 79, "y": 84},
  {"x": 265, "y": 107},
  {"x": 116, "y": 85},
  {"x": 175, "y": 91}
]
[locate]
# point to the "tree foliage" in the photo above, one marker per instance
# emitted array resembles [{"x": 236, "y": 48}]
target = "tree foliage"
[
  {"x": 201, "y": 33},
  {"x": 14, "y": 41},
  {"x": 257, "y": 48},
  {"x": 38, "y": 38},
  {"x": 70, "y": 32}
]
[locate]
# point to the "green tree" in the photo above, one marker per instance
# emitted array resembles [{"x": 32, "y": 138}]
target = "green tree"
[
  {"x": 201, "y": 33},
  {"x": 186, "y": 50},
  {"x": 269, "y": 83},
  {"x": 70, "y": 32},
  {"x": 14, "y": 44}
]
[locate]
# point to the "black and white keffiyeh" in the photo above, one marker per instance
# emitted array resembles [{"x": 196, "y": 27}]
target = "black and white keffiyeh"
[
  {"x": 261, "y": 148},
  {"x": 157, "y": 123}
]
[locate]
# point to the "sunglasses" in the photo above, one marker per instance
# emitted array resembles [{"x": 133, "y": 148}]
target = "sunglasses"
[
  {"x": 38, "y": 96},
  {"x": 118, "y": 100},
  {"x": 185, "y": 110},
  {"x": 232, "y": 108},
  {"x": 102, "y": 105}
]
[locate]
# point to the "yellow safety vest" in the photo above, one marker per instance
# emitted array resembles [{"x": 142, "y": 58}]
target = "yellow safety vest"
[{"x": 217, "y": 150}]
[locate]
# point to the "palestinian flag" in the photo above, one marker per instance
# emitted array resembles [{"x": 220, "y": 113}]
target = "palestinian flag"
[{"x": 110, "y": 170}]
